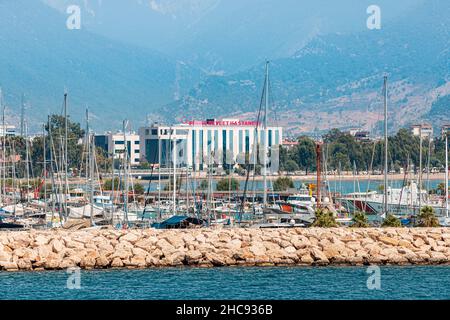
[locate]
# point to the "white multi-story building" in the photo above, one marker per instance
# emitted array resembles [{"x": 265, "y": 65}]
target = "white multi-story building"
[
  {"x": 426, "y": 130},
  {"x": 114, "y": 143},
  {"x": 8, "y": 129},
  {"x": 198, "y": 144}
]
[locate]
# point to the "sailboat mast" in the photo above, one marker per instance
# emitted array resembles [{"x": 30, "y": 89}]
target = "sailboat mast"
[
  {"x": 92, "y": 174},
  {"x": 54, "y": 191},
  {"x": 159, "y": 178},
  {"x": 44, "y": 147},
  {"x": 446, "y": 173},
  {"x": 66, "y": 162},
  {"x": 22, "y": 116},
  {"x": 266, "y": 106},
  {"x": 420, "y": 168},
  {"x": 27, "y": 156},
  {"x": 90, "y": 149},
  {"x": 112, "y": 188},
  {"x": 385, "y": 147},
  {"x": 125, "y": 168},
  {"x": 4, "y": 145},
  {"x": 174, "y": 191}
]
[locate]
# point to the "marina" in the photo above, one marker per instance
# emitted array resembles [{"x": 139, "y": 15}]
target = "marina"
[{"x": 212, "y": 189}]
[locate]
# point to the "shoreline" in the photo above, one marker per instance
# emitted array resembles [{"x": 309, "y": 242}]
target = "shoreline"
[
  {"x": 149, "y": 248},
  {"x": 313, "y": 177}
]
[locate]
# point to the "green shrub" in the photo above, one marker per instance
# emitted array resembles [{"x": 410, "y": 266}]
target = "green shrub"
[
  {"x": 224, "y": 184},
  {"x": 427, "y": 218},
  {"x": 360, "y": 220},
  {"x": 324, "y": 219},
  {"x": 283, "y": 184},
  {"x": 391, "y": 221}
]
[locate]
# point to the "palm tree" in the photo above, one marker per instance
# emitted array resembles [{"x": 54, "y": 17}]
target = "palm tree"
[
  {"x": 360, "y": 220},
  {"x": 324, "y": 219},
  {"x": 427, "y": 217},
  {"x": 391, "y": 221}
]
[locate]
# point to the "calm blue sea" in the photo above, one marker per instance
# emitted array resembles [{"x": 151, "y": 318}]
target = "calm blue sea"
[{"x": 430, "y": 282}]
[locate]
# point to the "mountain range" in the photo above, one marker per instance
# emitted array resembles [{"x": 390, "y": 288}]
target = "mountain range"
[
  {"x": 173, "y": 60},
  {"x": 336, "y": 79}
]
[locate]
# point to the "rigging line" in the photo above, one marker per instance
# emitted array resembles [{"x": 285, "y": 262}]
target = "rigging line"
[
  {"x": 404, "y": 183},
  {"x": 248, "y": 166},
  {"x": 149, "y": 183}
]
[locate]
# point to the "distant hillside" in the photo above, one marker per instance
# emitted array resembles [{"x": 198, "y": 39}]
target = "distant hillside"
[
  {"x": 440, "y": 112},
  {"x": 336, "y": 80},
  {"x": 227, "y": 35},
  {"x": 40, "y": 57}
]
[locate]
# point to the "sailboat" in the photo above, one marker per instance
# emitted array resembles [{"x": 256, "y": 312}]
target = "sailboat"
[
  {"x": 273, "y": 216},
  {"x": 444, "y": 220}
]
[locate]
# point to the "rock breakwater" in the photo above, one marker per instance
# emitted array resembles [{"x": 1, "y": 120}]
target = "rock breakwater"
[{"x": 88, "y": 249}]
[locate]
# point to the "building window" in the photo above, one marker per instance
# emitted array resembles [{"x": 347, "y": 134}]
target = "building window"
[
  {"x": 200, "y": 147},
  {"x": 209, "y": 142},
  {"x": 270, "y": 138},
  {"x": 231, "y": 146},
  {"x": 118, "y": 142},
  {"x": 224, "y": 146},
  {"x": 182, "y": 132},
  {"x": 136, "y": 142},
  {"x": 240, "y": 141},
  {"x": 194, "y": 145},
  {"x": 151, "y": 150},
  {"x": 154, "y": 132},
  {"x": 216, "y": 141},
  {"x": 247, "y": 142}
]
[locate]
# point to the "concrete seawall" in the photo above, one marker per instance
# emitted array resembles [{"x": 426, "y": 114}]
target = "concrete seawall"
[{"x": 58, "y": 249}]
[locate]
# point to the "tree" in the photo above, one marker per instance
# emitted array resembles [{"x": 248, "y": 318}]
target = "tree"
[
  {"x": 107, "y": 185},
  {"x": 440, "y": 189},
  {"x": 145, "y": 165},
  {"x": 360, "y": 220},
  {"x": 391, "y": 221},
  {"x": 324, "y": 219},
  {"x": 427, "y": 218},
  {"x": 169, "y": 186},
  {"x": 74, "y": 133},
  {"x": 224, "y": 184},
  {"x": 290, "y": 166},
  {"x": 283, "y": 184},
  {"x": 138, "y": 188},
  {"x": 203, "y": 185},
  {"x": 306, "y": 154}
]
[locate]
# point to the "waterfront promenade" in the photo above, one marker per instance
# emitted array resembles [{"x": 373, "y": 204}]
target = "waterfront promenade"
[{"x": 108, "y": 248}]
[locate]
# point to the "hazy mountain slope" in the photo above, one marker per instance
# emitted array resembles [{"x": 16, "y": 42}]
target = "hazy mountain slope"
[
  {"x": 336, "y": 79},
  {"x": 40, "y": 56},
  {"x": 227, "y": 35}
]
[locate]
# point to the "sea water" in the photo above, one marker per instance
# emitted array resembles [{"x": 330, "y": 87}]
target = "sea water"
[{"x": 394, "y": 282}]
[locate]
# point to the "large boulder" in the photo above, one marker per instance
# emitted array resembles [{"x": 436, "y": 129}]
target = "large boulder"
[
  {"x": 388, "y": 240},
  {"x": 193, "y": 256},
  {"x": 116, "y": 263},
  {"x": 258, "y": 249},
  {"x": 9, "y": 266},
  {"x": 130, "y": 237},
  {"x": 57, "y": 246}
]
